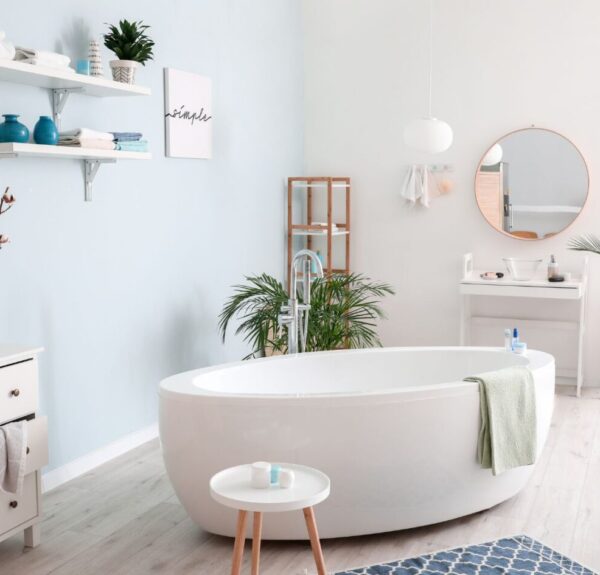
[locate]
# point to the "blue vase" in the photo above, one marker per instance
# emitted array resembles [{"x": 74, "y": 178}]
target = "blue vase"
[
  {"x": 11, "y": 130},
  {"x": 45, "y": 132}
]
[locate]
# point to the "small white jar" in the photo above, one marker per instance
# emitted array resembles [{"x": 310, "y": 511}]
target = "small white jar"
[
  {"x": 260, "y": 475},
  {"x": 286, "y": 478},
  {"x": 520, "y": 348}
]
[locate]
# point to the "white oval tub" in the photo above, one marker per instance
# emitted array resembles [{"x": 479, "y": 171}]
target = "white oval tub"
[{"x": 395, "y": 429}]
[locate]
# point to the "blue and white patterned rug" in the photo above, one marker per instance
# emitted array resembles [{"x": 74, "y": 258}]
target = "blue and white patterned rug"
[{"x": 518, "y": 555}]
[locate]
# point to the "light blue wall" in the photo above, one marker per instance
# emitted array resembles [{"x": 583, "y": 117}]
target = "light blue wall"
[{"x": 125, "y": 290}]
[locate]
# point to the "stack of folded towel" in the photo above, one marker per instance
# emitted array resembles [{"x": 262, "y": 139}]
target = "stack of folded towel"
[
  {"x": 86, "y": 138},
  {"x": 41, "y": 58},
  {"x": 130, "y": 142}
]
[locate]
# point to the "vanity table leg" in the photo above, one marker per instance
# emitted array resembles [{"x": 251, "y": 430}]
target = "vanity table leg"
[
  {"x": 32, "y": 535},
  {"x": 465, "y": 319},
  {"x": 240, "y": 539},
  {"x": 580, "y": 344}
]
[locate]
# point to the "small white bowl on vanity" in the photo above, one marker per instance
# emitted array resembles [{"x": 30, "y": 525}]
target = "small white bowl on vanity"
[{"x": 19, "y": 399}]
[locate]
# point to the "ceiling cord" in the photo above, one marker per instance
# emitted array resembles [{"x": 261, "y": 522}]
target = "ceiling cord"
[{"x": 430, "y": 54}]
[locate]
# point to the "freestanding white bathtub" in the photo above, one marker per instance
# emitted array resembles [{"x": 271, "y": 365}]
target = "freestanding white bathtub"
[{"x": 395, "y": 429}]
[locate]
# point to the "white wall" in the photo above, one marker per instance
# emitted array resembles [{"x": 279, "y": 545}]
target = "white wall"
[
  {"x": 498, "y": 66},
  {"x": 126, "y": 290}
]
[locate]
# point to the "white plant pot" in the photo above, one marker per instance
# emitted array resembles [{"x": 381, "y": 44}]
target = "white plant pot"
[{"x": 124, "y": 70}]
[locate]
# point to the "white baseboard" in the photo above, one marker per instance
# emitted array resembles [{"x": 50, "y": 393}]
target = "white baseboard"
[{"x": 81, "y": 465}]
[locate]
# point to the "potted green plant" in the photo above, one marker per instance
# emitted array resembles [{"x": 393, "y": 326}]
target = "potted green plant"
[
  {"x": 344, "y": 310},
  {"x": 131, "y": 45}
]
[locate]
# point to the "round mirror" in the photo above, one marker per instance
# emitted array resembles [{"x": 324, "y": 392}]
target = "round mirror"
[{"x": 531, "y": 184}]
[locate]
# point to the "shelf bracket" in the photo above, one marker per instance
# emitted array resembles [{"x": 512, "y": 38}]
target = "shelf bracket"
[
  {"x": 91, "y": 169},
  {"x": 59, "y": 100}
]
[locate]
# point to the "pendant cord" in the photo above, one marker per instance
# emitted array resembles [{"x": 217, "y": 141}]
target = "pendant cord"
[{"x": 430, "y": 53}]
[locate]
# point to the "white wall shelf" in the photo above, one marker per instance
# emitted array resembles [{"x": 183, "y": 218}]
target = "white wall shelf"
[
  {"x": 62, "y": 83},
  {"x": 472, "y": 284},
  {"x": 14, "y": 150},
  {"x": 319, "y": 233},
  {"x": 319, "y": 183},
  {"x": 57, "y": 79},
  {"x": 92, "y": 158}
]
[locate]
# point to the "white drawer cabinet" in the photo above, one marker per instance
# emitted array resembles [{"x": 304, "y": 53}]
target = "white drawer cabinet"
[
  {"x": 18, "y": 390},
  {"x": 19, "y": 400}
]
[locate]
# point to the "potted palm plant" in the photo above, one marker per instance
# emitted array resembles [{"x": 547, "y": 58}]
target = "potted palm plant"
[
  {"x": 344, "y": 310},
  {"x": 587, "y": 243},
  {"x": 131, "y": 45}
]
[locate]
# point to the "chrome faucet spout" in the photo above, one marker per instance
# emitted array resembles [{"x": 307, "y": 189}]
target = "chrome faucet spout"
[
  {"x": 307, "y": 258},
  {"x": 294, "y": 316}
]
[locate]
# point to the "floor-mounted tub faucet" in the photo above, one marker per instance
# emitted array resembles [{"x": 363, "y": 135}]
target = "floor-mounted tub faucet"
[{"x": 294, "y": 316}]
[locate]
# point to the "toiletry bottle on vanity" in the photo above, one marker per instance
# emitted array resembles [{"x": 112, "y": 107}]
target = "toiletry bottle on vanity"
[
  {"x": 515, "y": 338},
  {"x": 507, "y": 339},
  {"x": 552, "y": 268}
]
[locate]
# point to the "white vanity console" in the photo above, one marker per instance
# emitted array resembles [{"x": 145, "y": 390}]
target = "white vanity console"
[
  {"x": 471, "y": 284},
  {"x": 19, "y": 400}
]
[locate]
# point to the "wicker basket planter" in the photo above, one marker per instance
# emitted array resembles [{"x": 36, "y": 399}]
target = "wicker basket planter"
[{"x": 124, "y": 70}]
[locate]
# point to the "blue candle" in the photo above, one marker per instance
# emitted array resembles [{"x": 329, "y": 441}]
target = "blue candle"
[
  {"x": 275, "y": 469},
  {"x": 83, "y": 67}
]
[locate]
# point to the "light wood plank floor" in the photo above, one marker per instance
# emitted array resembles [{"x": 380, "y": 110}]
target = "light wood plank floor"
[{"x": 123, "y": 519}]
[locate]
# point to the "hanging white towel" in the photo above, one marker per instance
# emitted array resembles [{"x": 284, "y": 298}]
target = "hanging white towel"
[
  {"x": 409, "y": 191},
  {"x": 13, "y": 447},
  {"x": 424, "y": 195},
  {"x": 416, "y": 185}
]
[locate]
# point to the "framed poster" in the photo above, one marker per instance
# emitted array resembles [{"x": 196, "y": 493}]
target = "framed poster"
[{"x": 188, "y": 115}]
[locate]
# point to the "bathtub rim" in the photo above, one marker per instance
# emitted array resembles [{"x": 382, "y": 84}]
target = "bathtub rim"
[{"x": 183, "y": 385}]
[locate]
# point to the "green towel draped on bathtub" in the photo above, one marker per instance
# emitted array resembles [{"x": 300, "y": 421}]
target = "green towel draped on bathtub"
[{"x": 508, "y": 432}]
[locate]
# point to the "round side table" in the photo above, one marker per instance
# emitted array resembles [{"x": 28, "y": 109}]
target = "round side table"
[{"x": 232, "y": 488}]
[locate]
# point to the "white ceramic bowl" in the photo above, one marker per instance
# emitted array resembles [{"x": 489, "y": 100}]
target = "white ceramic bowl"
[{"x": 522, "y": 269}]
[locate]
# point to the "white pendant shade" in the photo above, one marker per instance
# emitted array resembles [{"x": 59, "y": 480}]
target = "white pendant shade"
[
  {"x": 428, "y": 135},
  {"x": 493, "y": 156}
]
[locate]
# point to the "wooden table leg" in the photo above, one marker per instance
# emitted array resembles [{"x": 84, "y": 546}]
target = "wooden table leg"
[
  {"x": 256, "y": 535},
  {"x": 240, "y": 539},
  {"x": 311, "y": 525}
]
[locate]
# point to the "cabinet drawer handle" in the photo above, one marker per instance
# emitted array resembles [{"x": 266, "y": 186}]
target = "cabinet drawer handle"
[
  {"x": 27, "y": 451},
  {"x": 14, "y": 504},
  {"x": 15, "y": 393}
]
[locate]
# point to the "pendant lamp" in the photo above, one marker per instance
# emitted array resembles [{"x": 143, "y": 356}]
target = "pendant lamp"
[{"x": 429, "y": 134}]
